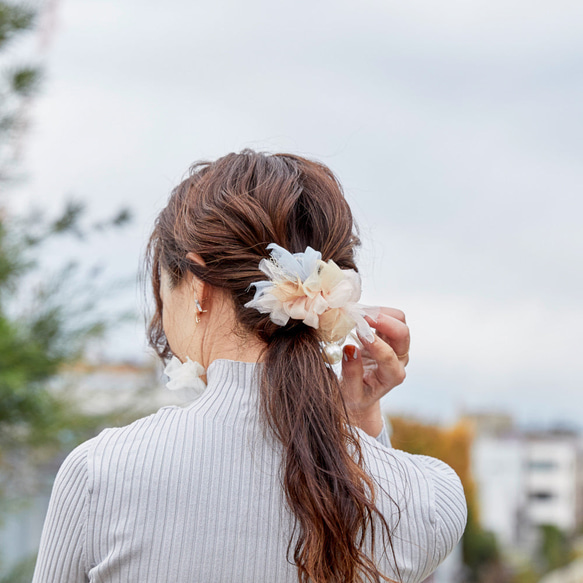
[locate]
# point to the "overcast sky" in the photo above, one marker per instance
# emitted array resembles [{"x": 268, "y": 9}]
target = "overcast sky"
[{"x": 455, "y": 127}]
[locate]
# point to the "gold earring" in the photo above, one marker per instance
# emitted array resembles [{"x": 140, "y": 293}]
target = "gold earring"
[{"x": 199, "y": 310}]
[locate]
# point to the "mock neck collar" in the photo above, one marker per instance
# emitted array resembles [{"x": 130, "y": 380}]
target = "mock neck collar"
[
  {"x": 232, "y": 386},
  {"x": 234, "y": 370}
]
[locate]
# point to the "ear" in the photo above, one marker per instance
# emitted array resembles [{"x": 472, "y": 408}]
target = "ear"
[{"x": 200, "y": 288}]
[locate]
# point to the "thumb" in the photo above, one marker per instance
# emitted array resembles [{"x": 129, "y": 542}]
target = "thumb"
[{"x": 352, "y": 372}]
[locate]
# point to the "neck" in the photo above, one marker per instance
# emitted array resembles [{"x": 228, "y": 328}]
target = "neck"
[
  {"x": 237, "y": 348},
  {"x": 223, "y": 340},
  {"x": 233, "y": 348}
]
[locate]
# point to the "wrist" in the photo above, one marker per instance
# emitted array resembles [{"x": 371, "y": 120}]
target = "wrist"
[{"x": 370, "y": 419}]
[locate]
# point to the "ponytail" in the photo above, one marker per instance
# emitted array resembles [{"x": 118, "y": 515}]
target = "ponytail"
[{"x": 326, "y": 488}]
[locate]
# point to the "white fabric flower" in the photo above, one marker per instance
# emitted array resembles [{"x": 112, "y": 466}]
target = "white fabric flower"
[
  {"x": 185, "y": 375},
  {"x": 303, "y": 287}
]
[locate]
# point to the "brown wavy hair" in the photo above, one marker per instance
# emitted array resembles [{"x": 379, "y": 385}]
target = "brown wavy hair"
[{"x": 228, "y": 211}]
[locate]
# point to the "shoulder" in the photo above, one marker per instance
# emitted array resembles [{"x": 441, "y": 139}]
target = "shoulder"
[
  {"x": 146, "y": 432},
  {"x": 425, "y": 489},
  {"x": 72, "y": 474},
  {"x": 80, "y": 462}
]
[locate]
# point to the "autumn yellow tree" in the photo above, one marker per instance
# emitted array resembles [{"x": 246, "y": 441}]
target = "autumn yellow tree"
[{"x": 453, "y": 445}]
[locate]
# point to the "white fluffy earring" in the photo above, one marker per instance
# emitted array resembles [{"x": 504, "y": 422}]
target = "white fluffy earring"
[{"x": 185, "y": 375}]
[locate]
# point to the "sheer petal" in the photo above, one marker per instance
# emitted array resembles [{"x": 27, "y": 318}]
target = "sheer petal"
[{"x": 185, "y": 375}]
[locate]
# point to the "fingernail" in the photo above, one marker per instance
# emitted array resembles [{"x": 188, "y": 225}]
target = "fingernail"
[
  {"x": 368, "y": 340},
  {"x": 350, "y": 352}
]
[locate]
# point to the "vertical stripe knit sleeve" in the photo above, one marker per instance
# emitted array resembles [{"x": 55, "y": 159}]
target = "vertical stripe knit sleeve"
[
  {"x": 450, "y": 506},
  {"x": 62, "y": 549}
]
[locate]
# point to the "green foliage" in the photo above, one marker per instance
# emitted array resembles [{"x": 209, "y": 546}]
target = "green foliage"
[
  {"x": 525, "y": 574},
  {"x": 12, "y": 264},
  {"x": 14, "y": 19},
  {"x": 68, "y": 220},
  {"x": 480, "y": 549},
  {"x": 43, "y": 326},
  {"x": 25, "y": 80},
  {"x": 556, "y": 549},
  {"x": 18, "y": 81}
]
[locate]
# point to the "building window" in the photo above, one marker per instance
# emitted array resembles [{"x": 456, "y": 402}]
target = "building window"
[{"x": 541, "y": 495}]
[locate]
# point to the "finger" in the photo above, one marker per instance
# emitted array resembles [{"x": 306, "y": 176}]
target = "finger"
[
  {"x": 390, "y": 369},
  {"x": 352, "y": 365},
  {"x": 394, "y": 313},
  {"x": 394, "y": 332},
  {"x": 352, "y": 370}
]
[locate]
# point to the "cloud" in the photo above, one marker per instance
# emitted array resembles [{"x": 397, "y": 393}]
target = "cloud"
[{"x": 454, "y": 127}]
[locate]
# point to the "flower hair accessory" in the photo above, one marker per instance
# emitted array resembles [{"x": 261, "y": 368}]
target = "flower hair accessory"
[
  {"x": 185, "y": 375},
  {"x": 303, "y": 287}
]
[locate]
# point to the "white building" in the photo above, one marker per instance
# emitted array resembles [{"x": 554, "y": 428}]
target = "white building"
[
  {"x": 498, "y": 468},
  {"x": 526, "y": 480},
  {"x": 552, "y": 480}
]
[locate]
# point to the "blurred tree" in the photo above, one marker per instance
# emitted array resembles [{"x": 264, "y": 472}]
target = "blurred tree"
[
  {"x": 453, "y": 446},
  {"x": 47, "y": 318},
  {"x": 17, "y": 83},
  {"x": 44, "y": 324},
  {"x": 525, "y": 574}
]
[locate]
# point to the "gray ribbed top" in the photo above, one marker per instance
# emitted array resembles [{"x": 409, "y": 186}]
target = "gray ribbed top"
[{"x": 192, "y": 495}]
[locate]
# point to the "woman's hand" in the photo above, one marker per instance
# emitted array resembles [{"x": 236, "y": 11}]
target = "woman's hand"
[{"x": 372, "y": 372}]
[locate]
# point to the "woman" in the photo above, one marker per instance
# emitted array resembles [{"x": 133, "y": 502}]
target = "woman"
[{"x": 279, "y": 471}]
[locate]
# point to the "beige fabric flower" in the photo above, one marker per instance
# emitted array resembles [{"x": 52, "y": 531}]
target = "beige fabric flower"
[{"x": 303, "y": 287}]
